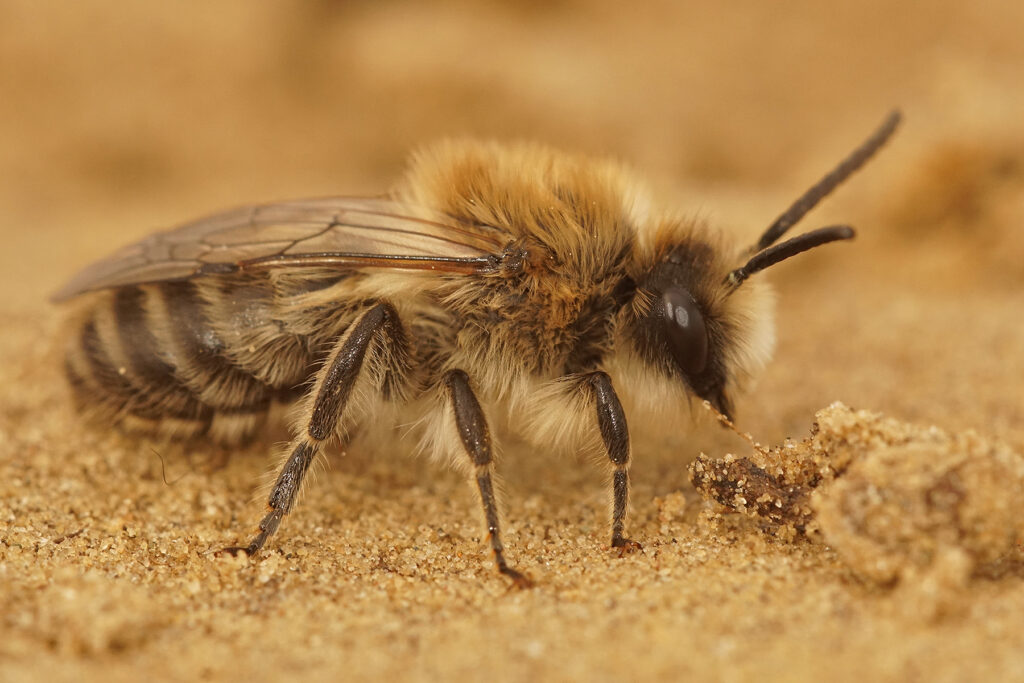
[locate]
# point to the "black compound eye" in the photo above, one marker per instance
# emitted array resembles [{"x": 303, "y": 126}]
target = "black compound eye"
[{"x": 685, "y": 330}]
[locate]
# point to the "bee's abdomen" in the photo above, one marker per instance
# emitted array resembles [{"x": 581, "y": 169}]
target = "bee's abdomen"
[{"x": 152, "y": 357}]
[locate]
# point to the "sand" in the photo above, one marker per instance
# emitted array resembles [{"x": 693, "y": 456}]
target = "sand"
[
  {"x": 118, "y": 119},
  {"x": 893, "y": 500}
]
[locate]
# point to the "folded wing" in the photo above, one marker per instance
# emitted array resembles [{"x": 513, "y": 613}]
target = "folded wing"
[{"x": 343, "y": 232}]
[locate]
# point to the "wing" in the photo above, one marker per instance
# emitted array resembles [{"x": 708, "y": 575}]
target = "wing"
[{"x": 350, "y": 232}]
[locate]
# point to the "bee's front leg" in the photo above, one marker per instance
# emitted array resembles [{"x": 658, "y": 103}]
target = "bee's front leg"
[{"x": 611, "y": 421}]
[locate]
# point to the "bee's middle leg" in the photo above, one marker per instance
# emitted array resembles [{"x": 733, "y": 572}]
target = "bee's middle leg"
[
  {"x": 476, "y": 441},
  {"x": 331, "y": 392}
]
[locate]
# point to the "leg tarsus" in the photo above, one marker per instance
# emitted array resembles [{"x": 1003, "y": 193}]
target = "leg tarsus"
[
  {"x": 267, "y": 528},
  {"x": 519, "y": 579}
]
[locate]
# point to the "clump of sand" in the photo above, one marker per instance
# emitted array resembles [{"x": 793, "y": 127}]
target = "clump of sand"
[{"x": 893, "y": 499}]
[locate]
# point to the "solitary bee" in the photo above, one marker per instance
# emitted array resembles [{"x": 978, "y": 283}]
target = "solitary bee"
[{"x": 510, "y": 279}]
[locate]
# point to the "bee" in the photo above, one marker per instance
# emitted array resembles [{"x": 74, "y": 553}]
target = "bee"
[{"x": 508, "y": 280}]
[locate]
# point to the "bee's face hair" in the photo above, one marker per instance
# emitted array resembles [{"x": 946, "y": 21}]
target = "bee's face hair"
[{"x": 764, "y": 254}]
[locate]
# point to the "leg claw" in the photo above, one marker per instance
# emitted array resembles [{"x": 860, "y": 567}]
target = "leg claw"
[
  {"x": 626, "y": 546},
  {"x": 520, "y": 581}
]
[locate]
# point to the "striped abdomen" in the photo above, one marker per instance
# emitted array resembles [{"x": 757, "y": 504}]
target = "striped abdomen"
[{"x": 189, "y": 358}]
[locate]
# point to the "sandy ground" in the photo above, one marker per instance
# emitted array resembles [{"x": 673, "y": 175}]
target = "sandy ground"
[{"x": 117, "y": 119}]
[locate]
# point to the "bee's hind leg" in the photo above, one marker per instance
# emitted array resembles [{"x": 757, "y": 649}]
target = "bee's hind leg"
[
  {"x": 378, "y": 326},
  {"x": 475, "y": 439},
  {"x": 611, "y": 421}
]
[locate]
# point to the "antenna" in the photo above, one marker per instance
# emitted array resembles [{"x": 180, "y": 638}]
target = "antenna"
[
  {"x": 831, "y": 181},
  {"x": 791, "y": 247}
]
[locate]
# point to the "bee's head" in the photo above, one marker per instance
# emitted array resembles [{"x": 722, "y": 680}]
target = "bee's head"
[
  {"x": 695, "y": 315},
  {"x": 682, "y": 324},
  {"x": 705, "y": 324}
]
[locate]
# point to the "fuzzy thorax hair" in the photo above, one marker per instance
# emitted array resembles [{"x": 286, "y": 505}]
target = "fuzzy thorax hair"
[{"x": 586, "y": 255}]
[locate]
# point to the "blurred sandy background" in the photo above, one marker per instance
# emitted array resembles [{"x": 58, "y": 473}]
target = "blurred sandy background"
[{"x": 119, "y": 118}]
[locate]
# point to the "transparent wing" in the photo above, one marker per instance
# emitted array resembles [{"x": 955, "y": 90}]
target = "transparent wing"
[{"x": 337, "y": 231}]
